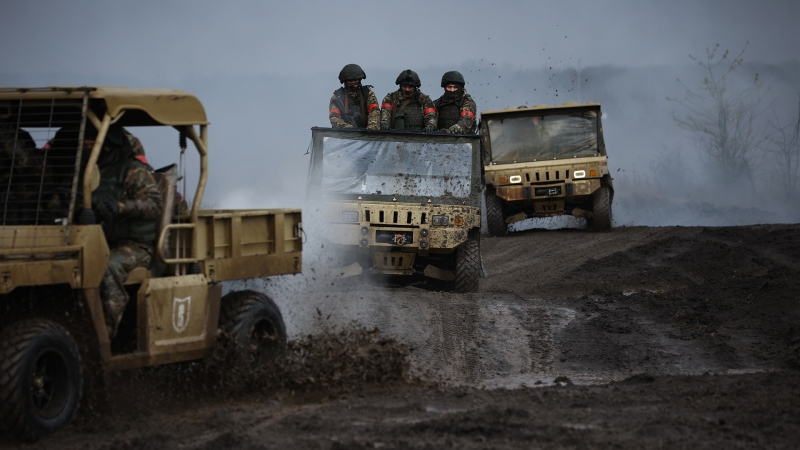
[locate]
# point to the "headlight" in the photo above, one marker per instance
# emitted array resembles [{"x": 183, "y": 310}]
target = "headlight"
[
  {"x": 579, "y": 174},
  {"x": 513, "y": 179},
  {"x": 440, "y": 221},
  {"x": 349, "y": 216}
]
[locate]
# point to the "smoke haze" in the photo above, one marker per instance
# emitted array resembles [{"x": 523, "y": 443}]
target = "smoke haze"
[{"x": 265, "y": 73}]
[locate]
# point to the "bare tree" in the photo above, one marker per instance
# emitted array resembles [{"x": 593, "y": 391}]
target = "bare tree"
[
  {"x": 785, "y": 147},
  {"x": 724, "y": 119}
]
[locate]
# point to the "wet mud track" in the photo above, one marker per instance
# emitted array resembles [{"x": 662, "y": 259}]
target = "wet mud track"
[{"x": 639, "y": 338}]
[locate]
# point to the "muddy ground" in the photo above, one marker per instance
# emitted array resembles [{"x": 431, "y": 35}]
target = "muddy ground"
[{"x": 672, "y": 337}]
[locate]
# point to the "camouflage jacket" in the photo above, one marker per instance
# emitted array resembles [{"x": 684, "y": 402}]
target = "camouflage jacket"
[
  {"x": 393, "y": 102},
  {"x": 456, "y": 116},
  {"x": 339, "y": 114},
  {"x": 141, "y": 197}
]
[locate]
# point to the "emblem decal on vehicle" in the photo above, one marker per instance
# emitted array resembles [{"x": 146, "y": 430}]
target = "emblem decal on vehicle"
[{"x": 180, "y": 313}]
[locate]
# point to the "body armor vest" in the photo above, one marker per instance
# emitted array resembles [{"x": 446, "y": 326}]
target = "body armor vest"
[
  {"x": 353, "y": 112},
  {"x": 449, "y": 112},
  {"x": 411, "y": 117},
  {"x": 111, "y": 188}
]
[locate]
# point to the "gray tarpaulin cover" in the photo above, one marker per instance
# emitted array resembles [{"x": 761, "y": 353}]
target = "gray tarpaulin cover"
[{"x": 386, "y": 167}]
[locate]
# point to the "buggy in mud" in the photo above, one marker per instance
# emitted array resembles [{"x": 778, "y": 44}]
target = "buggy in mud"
[
  {"x": 53, "y": 255},
  {"x": 398, "y": 203},
  {"x": 545, "y": 161}
]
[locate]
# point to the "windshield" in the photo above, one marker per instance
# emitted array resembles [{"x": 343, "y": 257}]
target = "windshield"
[
  {"x": 386, "y": 167},
  {"x": 525, "y": 139}
]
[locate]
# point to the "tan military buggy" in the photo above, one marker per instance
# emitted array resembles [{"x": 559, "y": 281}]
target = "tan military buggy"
[
  {"x": 545, "y": 161},
  {"x": 398, "y": 203},
  {"x": 53, "y": 255}
]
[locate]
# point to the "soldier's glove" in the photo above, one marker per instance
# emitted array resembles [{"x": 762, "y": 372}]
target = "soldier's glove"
[
  {"x": 384, "y": 126},
  {"x": 347, "y": 125},
  {"x": 430, "y": 129},
  {"x": 455, "y": 129},
  {"x": 106, "y": 210}
]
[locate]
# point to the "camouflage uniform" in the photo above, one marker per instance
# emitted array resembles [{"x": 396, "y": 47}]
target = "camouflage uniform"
[
  {"x": 128, "y": 184},
  {"x": 418, "y": 113},
  {"x": 347, "y": 108},
  {"x": 457, "y": 112}
]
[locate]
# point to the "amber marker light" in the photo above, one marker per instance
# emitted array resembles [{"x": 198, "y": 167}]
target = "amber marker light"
[
  {"x": 459, "y": 221},
  {"x": 592, "y": 173},
  {"x": 503, "y": 180}
]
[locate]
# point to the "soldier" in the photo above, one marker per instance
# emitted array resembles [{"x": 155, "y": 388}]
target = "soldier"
[
  {"x": 22, "y": 174},
  {"x": 354, "y": 105},
  {"x": 456, "y": 108},
  {"x": 407, "y": 108},
  {"x": 128, "y": 203}
]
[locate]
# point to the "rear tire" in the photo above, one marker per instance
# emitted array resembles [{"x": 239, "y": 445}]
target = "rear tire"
[
  {"x": 601, "y": 206},
  {"x": 255, "y": 323},
  {"x": 41, "y": 379},
  {"x": 495, "y": 218},
  {"x": 468, "y": 264}
]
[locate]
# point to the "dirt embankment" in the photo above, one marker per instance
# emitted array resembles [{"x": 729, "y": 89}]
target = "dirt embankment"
[{"x": 638, "y": 338}]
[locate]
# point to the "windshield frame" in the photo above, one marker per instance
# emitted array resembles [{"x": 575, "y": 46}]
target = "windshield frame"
[{"x": 314, "y": 185}]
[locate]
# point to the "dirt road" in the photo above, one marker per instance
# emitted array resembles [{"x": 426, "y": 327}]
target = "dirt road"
[{"x": 642, "y": 337}]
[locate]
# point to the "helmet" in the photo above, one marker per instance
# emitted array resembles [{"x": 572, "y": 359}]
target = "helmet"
[
  {"x": 452, "y": 77},
  {"x": 351, "y": 72},
  {"x": 408, "y": 77},
  {"x": 113, "y": 135}
]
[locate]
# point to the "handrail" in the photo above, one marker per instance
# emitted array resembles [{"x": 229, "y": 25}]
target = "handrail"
[{"x": 161, "y": 241}]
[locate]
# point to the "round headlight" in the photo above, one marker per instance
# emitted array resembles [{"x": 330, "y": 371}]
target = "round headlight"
[
  {"x": 364, "y": 242},
  {"x": 364, "y": 230},
  {"x": 423, "y": 232},
  {"x": 423, "y": 244}
]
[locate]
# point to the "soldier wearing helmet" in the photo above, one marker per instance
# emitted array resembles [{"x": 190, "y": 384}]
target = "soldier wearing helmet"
[
  {"x": 128, "y": 203},
  {"x": 354, "y": 105},
  {"x": 456, "y": 108},
  {"x": 407, "y": 108}
]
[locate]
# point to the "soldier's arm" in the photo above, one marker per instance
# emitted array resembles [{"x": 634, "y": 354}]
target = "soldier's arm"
[
  {"x": 373, "y": 112},
  {"x": 386, "y": 110},
  {"x": 429, "y": 112},
  {"x": 466, "y": 119},
  {"x": 142, "y": 198},
  {"x": 335, "y": 115}
]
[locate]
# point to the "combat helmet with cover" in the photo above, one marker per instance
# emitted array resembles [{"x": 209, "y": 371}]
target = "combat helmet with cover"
[
  {"x": 351, "y": 72},
  {"x": 453, "y": 77},
  {"x": 408, "y": 77}
]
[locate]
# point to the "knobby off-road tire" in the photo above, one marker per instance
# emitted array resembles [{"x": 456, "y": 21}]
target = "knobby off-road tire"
[
  {"x": 41, "y": 379},
  {"x": 468, "y": 264},
  {"x": 255, "y": 323},
  {"x": 601, "y": 205},
  {"x": 495, "y": 219}
]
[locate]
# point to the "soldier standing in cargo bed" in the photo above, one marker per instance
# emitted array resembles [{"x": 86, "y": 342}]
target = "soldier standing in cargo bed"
[
  {"x": 456, "y": 108},
  {"x": 407, "y": 108},
  {"x": 128, "y": 203},
  {"x": 354, "y": 105}
]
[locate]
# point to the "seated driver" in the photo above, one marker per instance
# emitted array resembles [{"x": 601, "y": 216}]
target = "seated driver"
[{"x": 128, "y": 203}]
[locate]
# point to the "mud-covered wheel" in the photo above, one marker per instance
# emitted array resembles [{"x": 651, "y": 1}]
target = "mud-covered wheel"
[
  {"x": 41, "y": 379},
  {"x": 255, "y": 323},
  {"x": 468, "y": 264},
  {"x": 601, "y": 205},
  {"x": 495, "y": 218}
]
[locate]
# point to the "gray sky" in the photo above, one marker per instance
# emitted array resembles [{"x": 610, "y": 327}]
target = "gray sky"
[
  {"x": 265, "y": 70},
  {"x": 168, "y": 39}
]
